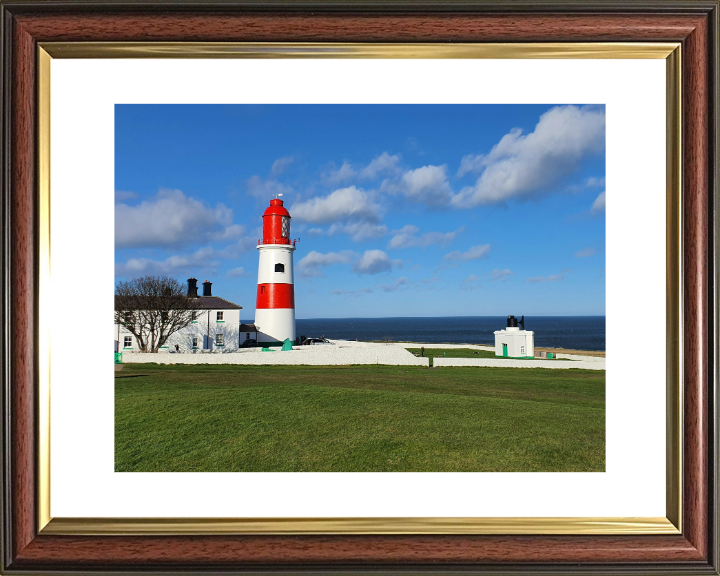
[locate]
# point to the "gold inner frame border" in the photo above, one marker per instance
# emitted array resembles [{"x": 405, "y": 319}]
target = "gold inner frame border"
[{"x": 671, "y": 524}]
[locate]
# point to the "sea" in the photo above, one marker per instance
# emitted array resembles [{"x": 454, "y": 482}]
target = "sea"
[{"x": 572, "y": 332}]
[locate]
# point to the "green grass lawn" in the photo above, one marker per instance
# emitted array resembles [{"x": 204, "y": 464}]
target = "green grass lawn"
[
  {"x": 227, "y": 418},
  {"x": 470, "y": 353}
]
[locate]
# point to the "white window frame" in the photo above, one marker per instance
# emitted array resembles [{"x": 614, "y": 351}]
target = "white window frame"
[
  {"x": 195, "y": 342},
  {"x": 219, "y": 340},
  {"x": 125, "y": 339},
  {"x": 219, "y": 317}
]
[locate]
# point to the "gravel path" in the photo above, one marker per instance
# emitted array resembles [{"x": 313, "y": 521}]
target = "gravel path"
[
  {"x": 340, "y": 353},
  {"x": 441, "y": 362}
]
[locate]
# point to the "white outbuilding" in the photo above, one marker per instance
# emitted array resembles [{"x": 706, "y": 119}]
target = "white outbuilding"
[{"x": 514, "y": 342}]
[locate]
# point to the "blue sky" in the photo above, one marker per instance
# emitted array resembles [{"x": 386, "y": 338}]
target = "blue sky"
[{"x": 401, "y": 210}]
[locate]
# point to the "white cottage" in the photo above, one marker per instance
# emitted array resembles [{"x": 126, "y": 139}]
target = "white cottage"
[
  {"x": 513, "y": 342},
  {"x": 215, "y": 327}
]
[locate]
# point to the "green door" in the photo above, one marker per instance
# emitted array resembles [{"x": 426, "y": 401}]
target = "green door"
[{"x": 505, "y": 351}]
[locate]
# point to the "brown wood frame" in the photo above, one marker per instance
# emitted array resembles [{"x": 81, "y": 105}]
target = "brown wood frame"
[{"x": 694, "y": 23}]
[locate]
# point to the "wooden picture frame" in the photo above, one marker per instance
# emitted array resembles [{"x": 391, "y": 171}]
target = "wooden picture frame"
[{"x": 30, "y": 547}]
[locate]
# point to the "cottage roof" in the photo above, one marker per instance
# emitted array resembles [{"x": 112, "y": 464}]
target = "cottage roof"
[
  {"x": 248, "y": 328},
  {"x": 216, "y": 303},
  {"x": 208, "y": 303}
]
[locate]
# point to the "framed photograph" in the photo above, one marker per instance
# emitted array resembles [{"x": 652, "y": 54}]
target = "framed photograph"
[{"x": 446, "y": 205}]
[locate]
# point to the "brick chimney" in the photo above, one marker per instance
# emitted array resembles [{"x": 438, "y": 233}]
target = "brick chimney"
[
  {"x": 207, "y": 288},
  {"x": 192, "y": 288}
]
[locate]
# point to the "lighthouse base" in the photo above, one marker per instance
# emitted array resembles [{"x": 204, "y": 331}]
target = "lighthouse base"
[{"x": 274, "y": 325}]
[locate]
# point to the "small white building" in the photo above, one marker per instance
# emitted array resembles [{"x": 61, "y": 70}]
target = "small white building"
[
  {"x": 215, "y": 327},
  {"x": 514, "y": 342}
]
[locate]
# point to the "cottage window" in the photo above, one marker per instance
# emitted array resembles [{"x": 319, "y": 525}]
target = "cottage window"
[
  {"x": 194, "y": 316},
  {"x": 218, "y": 339},
  {"x": 195, "y": 341},
  {"x": 127, "y": 342},
  {"x": 219, "y": 316},
  {"x": 279, "y": 267}
]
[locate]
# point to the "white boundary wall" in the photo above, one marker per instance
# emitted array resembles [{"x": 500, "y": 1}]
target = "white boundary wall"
[
  {"x": 340, "y": 353},
  {"x": 441, "y": 362}
]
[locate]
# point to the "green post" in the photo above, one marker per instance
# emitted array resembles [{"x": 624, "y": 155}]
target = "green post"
[{"x": 287, "y": 345}]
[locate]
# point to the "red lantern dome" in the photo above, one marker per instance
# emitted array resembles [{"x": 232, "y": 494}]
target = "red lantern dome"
[{"x": 276, "y": 223}]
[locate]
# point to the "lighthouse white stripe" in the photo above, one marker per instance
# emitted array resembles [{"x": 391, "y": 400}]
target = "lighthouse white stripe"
[
  {"x": 270, "y": 256},
  {"x": 275, "y": 324}
]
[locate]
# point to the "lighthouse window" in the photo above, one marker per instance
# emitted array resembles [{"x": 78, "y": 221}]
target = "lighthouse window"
[
  {"x": 285, "y": 226},
  {"x": 279, "y": 267}
]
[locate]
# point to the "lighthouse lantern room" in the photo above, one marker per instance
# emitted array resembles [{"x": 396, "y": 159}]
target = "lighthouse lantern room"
[
  {"x": 513, "y": 342},
  {"x": 275, "y": 308}
]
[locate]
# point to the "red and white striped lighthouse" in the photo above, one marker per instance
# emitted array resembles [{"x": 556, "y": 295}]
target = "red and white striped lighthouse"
[{"x": 275, "y": 308}]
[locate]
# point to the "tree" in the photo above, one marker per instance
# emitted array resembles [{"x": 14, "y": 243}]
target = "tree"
[{"x": 153, "y": 308}]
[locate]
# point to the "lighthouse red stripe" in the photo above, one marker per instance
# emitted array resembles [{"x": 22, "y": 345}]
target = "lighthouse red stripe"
[{"x": 275, "y": 296}]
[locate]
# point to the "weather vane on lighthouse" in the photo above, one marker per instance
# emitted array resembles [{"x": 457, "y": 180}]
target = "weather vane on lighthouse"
[{"x": 275, "y": 308}]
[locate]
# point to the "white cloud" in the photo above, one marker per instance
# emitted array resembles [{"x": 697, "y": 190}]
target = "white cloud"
[
  {"x": 230, "y": 233},
  {"x": 394, "y": 286},
  {"x": 359, "y": 231},
  {"x": 170, "y": 219},
  {"x": 594, "y": 182},
  {"x": 599, "y": 204},
  {"x": 121, "y": 195},
  {"x": 358, "y": 292},
  {"x": 470, "y": 278},
  {"x": 524, "y": 165},
  {"x": 280, "y": 164},
  {"x": 239, "y": 247},
  {"x": 237, "y": 272},
  {"x": 427, "y": 185},
  {"x": 311, "y": 265},
  {"x": 585, "y": 253},
  {"x": 431, "y": 280},
  {"x": 345, "y": 172},
  {"x": 382, "y": 164},
  {"x": 374, "y": 262},
  {"x": 501, "y": 274},
  {"x": 406, "y": 237},
  {"x": 470, "y": 163},
  {"x": 344, "y": 203},
  {"x": 474, "y": 253},
  {"x": 202, "y": 259},
  {"x": 265, "y": 189},
  {"x": 552, "y": 278}
]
